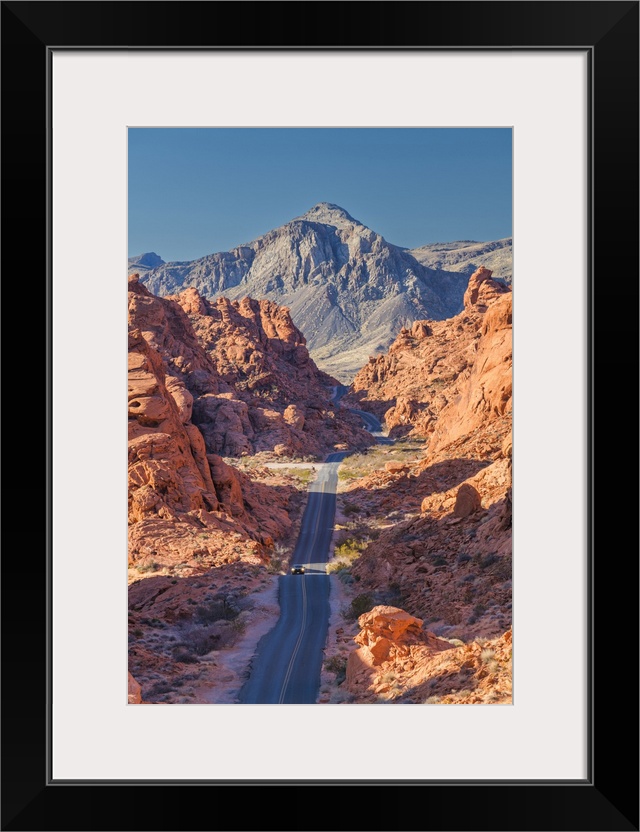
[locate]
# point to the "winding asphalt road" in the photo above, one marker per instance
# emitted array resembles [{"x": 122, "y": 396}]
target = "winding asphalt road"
[{"x": 286, "y": 666}]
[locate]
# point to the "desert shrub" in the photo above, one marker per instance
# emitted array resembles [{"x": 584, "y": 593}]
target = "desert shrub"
[
  {"x": 350, "y": 549},
  {"x": 351, "y": 508},
  {"x": 394, "y": 595},
  {"x": 338, "y": 665},
  {"x": 185, "y": 657},
  {"x": 204, "y": 642},
  {"x": 359, "y": 605},
  {"x": 504, "y": 569},
  {"x": 279, "y": 558},
  {"x": 346, "y": 552},
  {"x": 160, "y": 687},
  {"x": 239, "y": 625},
  {"x": 341, "y": 696},
  {"x": 488, "y": 560},
  {"x": 463, "y": 558},
  {"x": 152, "y": 566},
  {"x": 216, "y": 609}
]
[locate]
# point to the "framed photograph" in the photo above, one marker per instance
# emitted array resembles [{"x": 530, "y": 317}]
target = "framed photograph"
[{"x": 109, "y": 109}]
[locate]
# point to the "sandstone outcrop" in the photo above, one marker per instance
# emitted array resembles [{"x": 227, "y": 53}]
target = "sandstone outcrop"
[
  {"x": 188, "y": 509},
  {"x": 442, "y": 542},
  {"x": 134, "y": 692},
  {"x": 461, "y": 366},
  {"x": 387, "y": 634},
  {"x": 467, "y": 500},
  {"x": 419, "y": 667},
  {"x": 269, "y": 393}
]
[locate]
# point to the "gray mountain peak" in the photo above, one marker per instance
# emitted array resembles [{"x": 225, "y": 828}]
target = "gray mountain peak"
[
  {"x": 329, "y": 214},
  {"x": 148, "y": 260},
  {"x": 347, "y": 288}
]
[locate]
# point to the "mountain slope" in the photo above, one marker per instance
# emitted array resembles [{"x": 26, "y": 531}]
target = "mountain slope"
[
  {"x": 466, "y": 256},
  {"x": 347, "y": 288},
  {"x": 143, "y": 263}
]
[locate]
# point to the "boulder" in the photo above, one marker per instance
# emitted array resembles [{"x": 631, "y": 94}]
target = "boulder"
[{"x": 467, "y": 500}]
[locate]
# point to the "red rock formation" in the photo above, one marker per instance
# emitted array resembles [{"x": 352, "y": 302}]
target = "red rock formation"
[
  {"x": 185, "y": 506},
  {"x": 241, "y": 381},
  {"x": 449, "y": 556},
  {"x": 484, "y": 395},
  {"x": 399, "y": 661},
  {"x": 134, "y": 695},
  {"x": 275, "y": 398},
  {"x": 439, "y": 364},
  {"x": 467, "y": 500},
  {"x": 388, "y": 634}
]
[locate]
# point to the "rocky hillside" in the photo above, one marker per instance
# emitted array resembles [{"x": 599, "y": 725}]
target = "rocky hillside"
[
  {"x": 187, "y": 508},
  {"x": 267, "y": 394},
  {"x": 347, "y": 288},
  {"x": 466, "y": 256},
  {"x": 243, "y": 375},
  {"x": 398, "y": 660},
  {"x": 435, "y": 365},
  {"x": 431, "y": 536},
  {"x": 186, "y": 505}
]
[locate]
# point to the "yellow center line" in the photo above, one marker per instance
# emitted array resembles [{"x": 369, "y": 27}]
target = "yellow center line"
[{"x": 298, "y": 642}]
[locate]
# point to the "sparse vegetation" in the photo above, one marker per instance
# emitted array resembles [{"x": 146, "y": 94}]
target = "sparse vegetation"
[
  {"x": 185, "y": 657},
  {"x": 152, "y": 566},
  {"x": 279, "y": 559},
  {"x": 362, "y": 464},
  {"x": 303, "y": 475},
  {"x": 359, "y": 605},
  {"x": 216, "y": 609},
  {"x": 338, "y": 665}
]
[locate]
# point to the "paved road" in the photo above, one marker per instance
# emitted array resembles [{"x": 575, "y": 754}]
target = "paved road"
[
  {"x": 286, "y": 666},
  {"x": 373, "y": 425}
]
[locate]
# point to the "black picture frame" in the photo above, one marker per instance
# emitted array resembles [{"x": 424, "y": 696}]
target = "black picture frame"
[{"x": 608, "y": 798}]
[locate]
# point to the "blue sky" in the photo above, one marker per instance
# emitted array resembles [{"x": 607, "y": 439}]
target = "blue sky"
[{"x": 196, "y": 191}]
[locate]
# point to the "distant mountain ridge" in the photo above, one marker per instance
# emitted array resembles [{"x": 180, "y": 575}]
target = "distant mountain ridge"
[
  {"x": 348, "y": 290},
  {"x": 143, "y": 263},
  {"x": 466, "y": 256}
]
